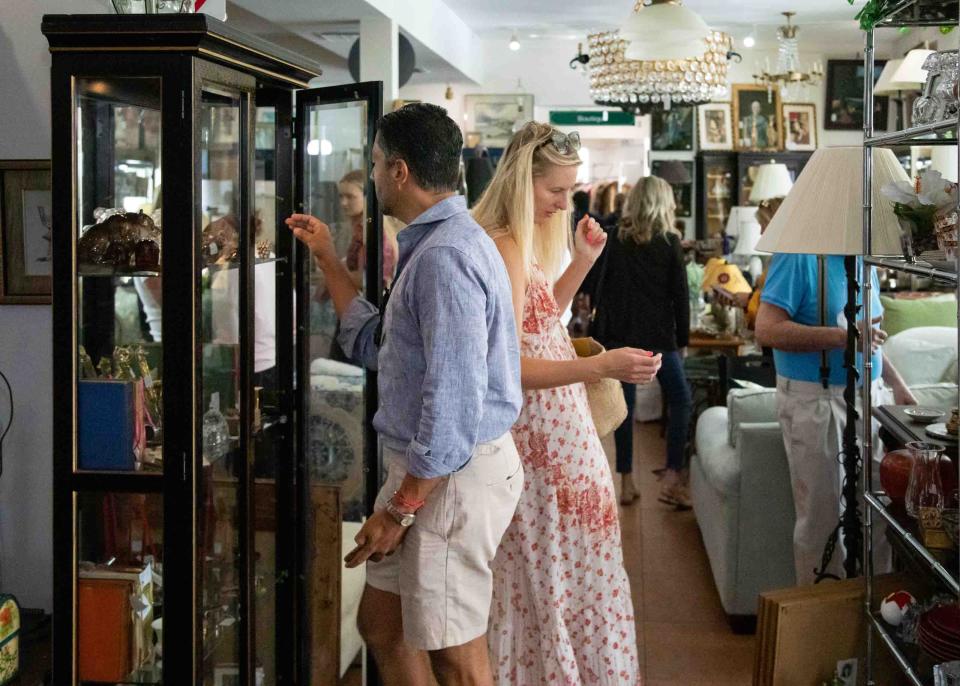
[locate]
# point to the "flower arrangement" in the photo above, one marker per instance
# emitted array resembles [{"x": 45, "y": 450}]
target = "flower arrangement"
[{"x": 916, "y": 204}]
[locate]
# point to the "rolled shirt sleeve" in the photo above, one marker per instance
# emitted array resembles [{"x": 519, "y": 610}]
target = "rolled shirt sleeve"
[
  {"x": 451, "y": 308},
  {"x": 357, "y": 330}
]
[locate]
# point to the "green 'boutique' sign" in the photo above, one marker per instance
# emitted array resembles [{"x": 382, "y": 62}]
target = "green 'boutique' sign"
[{"x": 587, "y": 118}]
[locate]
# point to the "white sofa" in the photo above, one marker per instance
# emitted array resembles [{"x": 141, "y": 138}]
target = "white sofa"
[{"x": 740, "y": 481}]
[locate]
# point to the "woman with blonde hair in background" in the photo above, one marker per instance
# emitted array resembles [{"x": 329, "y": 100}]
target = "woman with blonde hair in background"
[
  {"x": 642, "y": 302},
  {"x": 561, "y": 610}
]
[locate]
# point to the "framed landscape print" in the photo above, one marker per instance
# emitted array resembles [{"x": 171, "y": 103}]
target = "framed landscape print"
[
  {"x": 496, "y": 117},
  {"x": 672, "y": 129},
  {"x": 756, "y": 115},
  {"x": 844, "y": 99},
  {"x": 800, "y": 126},
  {"x": 26, "y": 238},
  {"x": 716, "y": 126}
]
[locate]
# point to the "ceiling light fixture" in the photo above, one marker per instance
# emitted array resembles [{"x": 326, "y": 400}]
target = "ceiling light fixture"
[
  {"x": 645, "y": 85},
  {"x": 788, "y": 77},
  {"x": 749, "y": 41},
  {"x": 664, "y": 30},
  {"x": 514, "y": 43}
]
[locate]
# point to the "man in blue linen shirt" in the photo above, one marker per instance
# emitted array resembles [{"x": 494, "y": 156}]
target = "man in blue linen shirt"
[
  {"x": 448, "y": 357},
  {"x": 812, "y": 417}
]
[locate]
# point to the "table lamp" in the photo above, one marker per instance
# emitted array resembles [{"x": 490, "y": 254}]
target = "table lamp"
[
  {"x": 773, "y": 181},
  {"x": 905, "y": 74},
  {"x": 728, "y": 277},
  {"x": 748, "y": 234},
  {"x": 823, "y": 215}
]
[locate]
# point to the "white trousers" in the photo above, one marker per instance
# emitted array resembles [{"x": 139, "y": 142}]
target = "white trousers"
[{"x": 812, "y": 419}]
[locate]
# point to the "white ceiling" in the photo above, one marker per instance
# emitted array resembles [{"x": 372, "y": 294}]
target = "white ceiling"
[{"x": 822, "y": 22}]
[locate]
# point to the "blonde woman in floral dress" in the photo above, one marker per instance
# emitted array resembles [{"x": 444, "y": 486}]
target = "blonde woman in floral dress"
[{"x": 562, "y": 611}]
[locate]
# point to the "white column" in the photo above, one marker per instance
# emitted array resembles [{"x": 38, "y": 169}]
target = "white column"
[{"x": 380, "y": 56}]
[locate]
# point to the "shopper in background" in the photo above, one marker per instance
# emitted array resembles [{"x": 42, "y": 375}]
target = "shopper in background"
[
  {"x": 812, "y": 417},
  {"x": 750, "y": 302},
  {"x": 642, "y": 301},
  {"x": 445, "y": 345},
  {"x": 561, "y": 611}
]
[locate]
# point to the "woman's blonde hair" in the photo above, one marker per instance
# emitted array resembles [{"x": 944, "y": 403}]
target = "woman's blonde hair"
[
  {"x": 650, "y": 211},
  {"x": 507, "y": 205}
]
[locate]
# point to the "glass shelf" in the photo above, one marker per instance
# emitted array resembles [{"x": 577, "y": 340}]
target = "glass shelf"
[
  {"x": 942, "y": 271},
  {"x": 898, "y": 652},
  {"x": 938, "y": 133},
  {"x": 915, "y": 546},
  {"x": 108, "y": 272},
  {"x": 910, "y": 13}
]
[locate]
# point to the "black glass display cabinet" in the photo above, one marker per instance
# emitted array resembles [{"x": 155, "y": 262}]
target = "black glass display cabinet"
[{"x": 213, "y": 449}]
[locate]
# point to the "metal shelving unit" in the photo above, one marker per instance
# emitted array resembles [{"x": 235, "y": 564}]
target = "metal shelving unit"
[{"x": 908, "y": 13}]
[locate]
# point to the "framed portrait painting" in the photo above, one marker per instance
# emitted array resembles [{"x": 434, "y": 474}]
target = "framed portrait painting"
[
  {"x": 844, "y": 99},
  {"x": 799, "y": 126},
  {"x": 756, "y": 115},
  {"x": 716, "y": 126},
  {"x": 496, "y": 117},
  {"x": 672, "y": 129},
  {"x": 26, "y": 237}
]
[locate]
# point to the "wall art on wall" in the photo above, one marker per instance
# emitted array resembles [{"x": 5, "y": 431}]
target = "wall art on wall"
[
  {"x": 756, "y": 112},
  {"x": 799, "y": 126},
  {"x": 26, "y": 232},
  {"x": 672, "y": 129},
  {"x": 497, "y": 117},
  {"x": 844, "y": 99},
  {"x": 716, "y": 126}
]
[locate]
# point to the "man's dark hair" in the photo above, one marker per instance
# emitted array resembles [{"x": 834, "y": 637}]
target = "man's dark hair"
[{"x": 429, "y": 141}]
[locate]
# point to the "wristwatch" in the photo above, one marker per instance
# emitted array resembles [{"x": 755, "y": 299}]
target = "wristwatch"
[{"x": 404, "y": 519}]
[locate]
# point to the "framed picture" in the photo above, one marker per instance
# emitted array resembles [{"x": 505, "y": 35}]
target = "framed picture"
[
  {"x": 800, "y": 126},
  {"x": 844, "y": 100},
  {"x": 496, "y": 117},
  {"x": 682, "y": 192},
  {"x": 26, "y": 238},
  {"x": 756, "y": 112},
  {"x": 716, "y": 126},
  {"x": 672, "y": 129}
]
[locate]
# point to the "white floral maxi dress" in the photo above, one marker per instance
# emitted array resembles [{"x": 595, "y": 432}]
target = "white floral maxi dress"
[{"x": 561, "y": 611}]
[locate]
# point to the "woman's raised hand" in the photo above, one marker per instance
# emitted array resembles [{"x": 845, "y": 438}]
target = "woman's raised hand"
[{"x": 589, "y": 239}]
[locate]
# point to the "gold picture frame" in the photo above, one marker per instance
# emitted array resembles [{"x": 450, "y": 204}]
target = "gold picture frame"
[
  {"x": 26, "y": 233},
  {"x": 756, "y": 118}
]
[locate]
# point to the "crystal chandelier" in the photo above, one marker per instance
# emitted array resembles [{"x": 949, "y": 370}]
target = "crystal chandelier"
[
  {"x": 788, "y": 77},
  {"x": 647, "y": 85}
]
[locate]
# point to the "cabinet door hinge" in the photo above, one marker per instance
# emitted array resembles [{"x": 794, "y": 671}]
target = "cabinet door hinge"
[{"x": 183, "y": 462}]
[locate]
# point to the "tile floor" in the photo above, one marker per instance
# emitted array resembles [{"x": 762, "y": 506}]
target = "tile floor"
[{"x": 681, "y": 627}]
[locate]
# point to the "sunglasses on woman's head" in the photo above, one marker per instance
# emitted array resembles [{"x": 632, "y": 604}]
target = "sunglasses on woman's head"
[{"x": 565, "y": 143}]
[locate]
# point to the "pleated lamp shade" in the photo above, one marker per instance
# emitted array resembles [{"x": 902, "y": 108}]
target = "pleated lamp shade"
[
  {"x": 823, "y": 214},
  {"x": 773, "y": 181}
]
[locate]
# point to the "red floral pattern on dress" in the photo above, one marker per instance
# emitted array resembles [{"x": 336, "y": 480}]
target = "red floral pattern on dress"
[{"x": 562, "y": 611}]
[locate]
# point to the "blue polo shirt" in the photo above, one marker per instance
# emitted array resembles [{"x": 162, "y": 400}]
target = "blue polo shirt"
[{"x": 792, "y": 285}]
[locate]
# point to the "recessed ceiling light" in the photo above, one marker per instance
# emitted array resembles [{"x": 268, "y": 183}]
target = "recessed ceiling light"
[
  {"x": 514, "y": 43},
  {"x": 749, "y": 42}
]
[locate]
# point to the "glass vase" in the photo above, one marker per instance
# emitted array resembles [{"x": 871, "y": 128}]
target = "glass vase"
[{"x": 924, "y": 498}]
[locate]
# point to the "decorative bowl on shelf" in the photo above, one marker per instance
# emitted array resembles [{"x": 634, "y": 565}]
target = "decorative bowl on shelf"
[
  {"x": 924, "y": 415},
  {"x": 940, "y": 431}
]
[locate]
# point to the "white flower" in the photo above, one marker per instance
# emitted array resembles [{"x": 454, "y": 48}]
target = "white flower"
[
  {"x": 935, "y": 190},
  {"x": 901, "y": 192}
]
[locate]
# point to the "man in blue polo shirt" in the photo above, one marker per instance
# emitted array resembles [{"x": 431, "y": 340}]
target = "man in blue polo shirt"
[{"x": 812, "y": 417}]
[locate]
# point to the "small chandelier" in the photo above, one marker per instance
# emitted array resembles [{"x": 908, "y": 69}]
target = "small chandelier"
[
  {"x": 643, "y": 86},
  {"x": 788, "y": 77}
]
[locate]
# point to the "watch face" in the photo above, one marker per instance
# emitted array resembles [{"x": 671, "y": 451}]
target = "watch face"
[{"x": 407, "y": 520}]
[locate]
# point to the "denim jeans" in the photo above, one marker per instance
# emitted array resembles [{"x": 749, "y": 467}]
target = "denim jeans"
[{"x": 677, "y": 390}]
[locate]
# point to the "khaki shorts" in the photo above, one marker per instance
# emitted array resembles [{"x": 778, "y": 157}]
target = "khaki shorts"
[{"x": 442, "y": 570}]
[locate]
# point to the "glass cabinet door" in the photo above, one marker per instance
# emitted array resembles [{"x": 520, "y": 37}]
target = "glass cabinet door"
[
  {"x": 336, "y": 128},
  {"x": 118, "y": 270}
]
